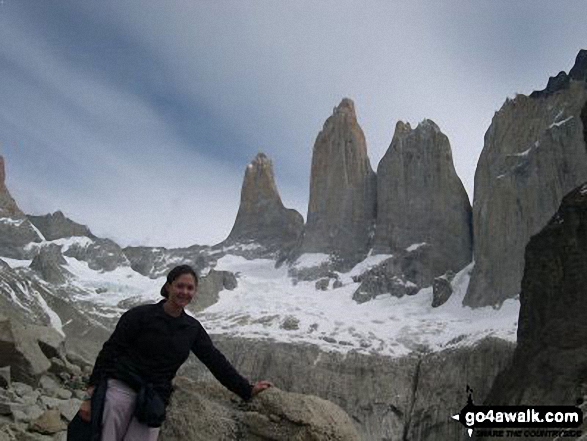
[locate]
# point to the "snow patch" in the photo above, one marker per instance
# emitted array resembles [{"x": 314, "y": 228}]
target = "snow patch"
[
  {"x": 310, "y": 260},
  {"x": 11, "y": 221},
  {"x": 415, "y": 246},
  {"x": 265, "y": 297},
  {"x": 560, "y": 123}
]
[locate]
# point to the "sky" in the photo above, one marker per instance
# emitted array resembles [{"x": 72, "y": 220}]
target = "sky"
[{"x": 138, "y": 118}]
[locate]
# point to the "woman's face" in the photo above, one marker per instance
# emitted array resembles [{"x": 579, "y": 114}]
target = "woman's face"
[{"x": 182, "y": 290}]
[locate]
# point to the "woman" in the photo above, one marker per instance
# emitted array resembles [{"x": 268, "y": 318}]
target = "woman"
[{"x": 153, "y": 341}]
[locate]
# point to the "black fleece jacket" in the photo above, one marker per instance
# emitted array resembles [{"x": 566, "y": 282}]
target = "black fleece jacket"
[{"x": 154, "y": 344}]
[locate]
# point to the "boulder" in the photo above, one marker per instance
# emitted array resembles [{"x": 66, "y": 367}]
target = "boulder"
[
  {"x": 210, "y": 286},
  {"x": 49, "y": 423},
  {"x": 49, "y": 264},
  {"x": 262, "y": 218},
  {"x": 441, "y": 290},
  {"x": 19, "y": 349},
  {"x": 272, "y": 415},
  {"x": 342, "y": 206},
  {"x": 534, "y": 153},
  {"x": 420, "y": 198}
]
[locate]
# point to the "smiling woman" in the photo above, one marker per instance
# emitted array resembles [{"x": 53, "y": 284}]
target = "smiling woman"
[{"x": 141, "y": 358}]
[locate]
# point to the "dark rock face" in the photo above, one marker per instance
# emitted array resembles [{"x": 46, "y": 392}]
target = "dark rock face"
[
  {"x": 550, "y": 361},
  {"x": 534, "y": 154},
  {"x": 262, "y": 219},
  {"x": 155, "y": 262},
  {"x": 420, "y": 198},
  {"x": 101, "y": 254},
  {"x": 404, "y": 273},
  {"x": 342, "y": 206},
  {"x": 48, "y": 264},
  {"x": 441, "y": 290},
  {"x": 15, "y": 229},
  {"x": 57, "y": 226}
]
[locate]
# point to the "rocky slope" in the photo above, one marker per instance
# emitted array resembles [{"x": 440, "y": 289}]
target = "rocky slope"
[
  {"x": 342, "y": 206},
  {"x": 535, "y": 152},
  {"x": 262, "y": 219},
  {"x": 550, "y": 361},
  {"x": 407, "y": 398}
]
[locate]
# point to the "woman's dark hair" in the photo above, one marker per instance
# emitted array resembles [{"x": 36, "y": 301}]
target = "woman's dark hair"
[{"x": 174, "y": 274}]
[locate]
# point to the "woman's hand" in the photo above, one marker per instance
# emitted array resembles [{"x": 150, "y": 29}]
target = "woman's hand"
[
  {"x": 85, "y": 410},
  {"x": 260, "y": 387}
]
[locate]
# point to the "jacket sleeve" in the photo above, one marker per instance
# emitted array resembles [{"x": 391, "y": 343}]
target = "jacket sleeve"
[
  {"x": 126, "y": 330},
  {"x": 220, "y": 367}
]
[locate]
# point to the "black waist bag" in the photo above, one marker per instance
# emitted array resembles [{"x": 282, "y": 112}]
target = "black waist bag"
[{"x": 150, "y": 408}]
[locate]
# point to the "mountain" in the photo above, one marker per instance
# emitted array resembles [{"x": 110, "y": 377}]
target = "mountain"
[
  {"x": 535, "y": 152},
  {"x": 423, "y": 214},
  {"x": 262, "y": 218},
  {"x": 343, "y": 186},
  {"x": 282, "y": 299}
]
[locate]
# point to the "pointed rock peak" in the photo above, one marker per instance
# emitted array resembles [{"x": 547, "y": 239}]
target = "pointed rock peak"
[
  {"x": 425, "y": 127},
  {"x": 428, "y": 125},
  {"x": 260, "y": 161},
  {"x": 261, "y": 216},
  {"x": 402, "y": 128},
  {"x": 346, "y": 106},
  {"x": 579, "y": 70}
]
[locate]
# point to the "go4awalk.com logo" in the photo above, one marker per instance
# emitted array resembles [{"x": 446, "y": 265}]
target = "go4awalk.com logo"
[{"x": 519, "y": 421}]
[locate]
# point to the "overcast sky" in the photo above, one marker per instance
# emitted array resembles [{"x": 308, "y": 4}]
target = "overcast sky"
[{"x": 138, "y": 117}]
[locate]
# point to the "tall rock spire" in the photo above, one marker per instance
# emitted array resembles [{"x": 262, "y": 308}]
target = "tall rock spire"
[
  {"x": 341, "y": 211},
  {"x": 16, "y": 231},
  {"x": 535, "y": 152},
  {"x": 420, "y": 198},
  {"x": 262, "y": 217},
  {"x": 8, "y": 207}
]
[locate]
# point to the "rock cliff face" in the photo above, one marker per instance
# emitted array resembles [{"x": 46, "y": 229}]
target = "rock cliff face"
[
  {"x": 423, "y": 214},
  {"x": 409, "y": 398},
  {"x": 15, "y": 229},
  {"x": 262, "y": 219},
  {"x": 550, "y": 361},
  {"x": 420, "y": 198},
  {"x": 534, "y": 153},
  {"x": 57, "y": 226},
  {"x": 342, "y": 207}
]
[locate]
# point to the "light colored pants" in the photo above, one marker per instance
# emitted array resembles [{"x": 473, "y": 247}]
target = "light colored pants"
[{"x": 118, "y": 422}]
